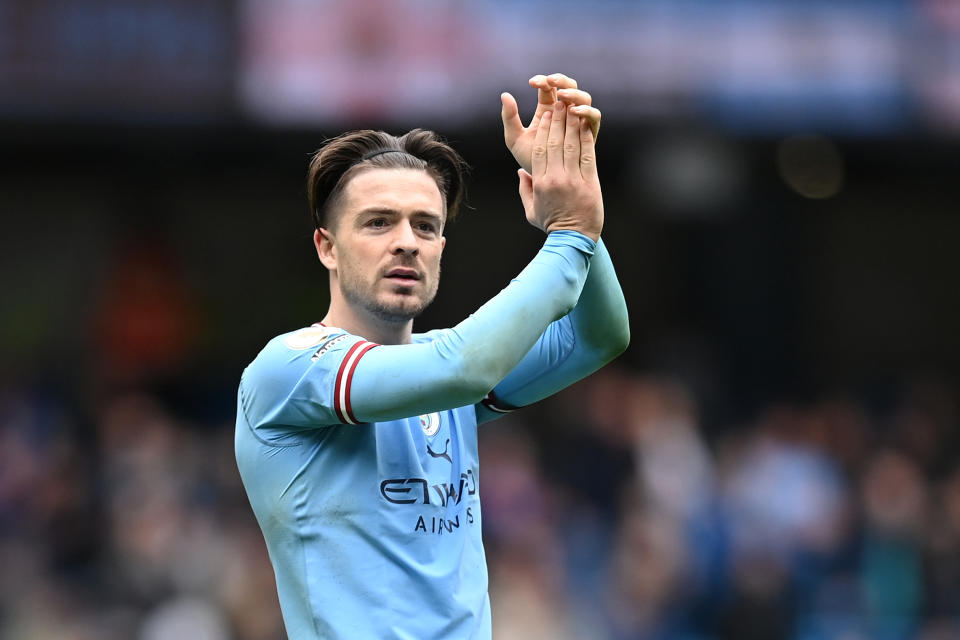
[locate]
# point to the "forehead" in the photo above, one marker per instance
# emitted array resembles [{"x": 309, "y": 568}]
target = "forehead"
[{"x": 394, "y": 189}]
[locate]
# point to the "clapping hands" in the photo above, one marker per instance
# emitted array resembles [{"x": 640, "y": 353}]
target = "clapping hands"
[
  {"x": 563, "y": 189},
  {"x": 550, "y": 89}
]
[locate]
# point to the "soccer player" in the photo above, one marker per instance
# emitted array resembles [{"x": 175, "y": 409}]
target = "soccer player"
[{"x": 356, "y": 438}]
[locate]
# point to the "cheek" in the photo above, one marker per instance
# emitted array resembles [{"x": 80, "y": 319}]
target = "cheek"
[
  {"x": 435, "y": 263},
  {"x": 351, "y": 269},
  {"x": 356, "y": 257}
]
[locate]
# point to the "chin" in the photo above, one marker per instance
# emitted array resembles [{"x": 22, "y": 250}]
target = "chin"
[
  {"x": 396, "y": 315},
  {"x": 399, "y": 311}
]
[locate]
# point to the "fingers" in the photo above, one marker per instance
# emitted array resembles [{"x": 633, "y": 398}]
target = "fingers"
[
  {"x": 553, "y": 81},
  {"x": 571, "y": 143},
  {"x": 580, "y": 103},
  {"x": 555, "y": 137},
  {"x": 546, "y": 96},
  {"x": 547, "y": 93},
  {"x": 561, "y": 81},
  {"x": 574, "y": 96},
  {"x": 538, "y": 161},
  {"x": 588, "y": 157},
  {"x": 510, "y": 114},
  {"x": 559, "y": 139},
  {"x": 547, "y": 87},
  {"x": 591, "y": 115},
  {"x": 564, "y": 142}
]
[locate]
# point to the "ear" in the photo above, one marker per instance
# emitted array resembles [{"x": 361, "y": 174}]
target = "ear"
[
  {"x": 326, "y": 250},
  {"x": 443, "y": 243}
]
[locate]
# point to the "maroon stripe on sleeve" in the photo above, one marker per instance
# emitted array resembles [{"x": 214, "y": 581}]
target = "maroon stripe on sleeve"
[
  {"x": 348, "y": 409},
  {"x": 340, "y": 375},
  {"x": 493, "y": 403}
]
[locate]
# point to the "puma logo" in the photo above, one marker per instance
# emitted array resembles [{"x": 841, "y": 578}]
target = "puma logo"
[{"x": 442, "y": 454}]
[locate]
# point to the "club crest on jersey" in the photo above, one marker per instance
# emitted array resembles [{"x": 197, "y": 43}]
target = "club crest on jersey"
[
  {"x": 310, "y": 336},
  {"x": 430, "y": 423}
]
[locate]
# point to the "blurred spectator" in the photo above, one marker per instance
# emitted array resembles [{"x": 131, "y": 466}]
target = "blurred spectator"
[{"x": 146, "y": 319}]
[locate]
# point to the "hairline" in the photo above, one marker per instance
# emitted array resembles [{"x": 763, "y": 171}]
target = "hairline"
[{"x": 334, "y": 203}]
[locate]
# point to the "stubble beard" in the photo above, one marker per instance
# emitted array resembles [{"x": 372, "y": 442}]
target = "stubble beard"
[{"x": 357, "y": 294}]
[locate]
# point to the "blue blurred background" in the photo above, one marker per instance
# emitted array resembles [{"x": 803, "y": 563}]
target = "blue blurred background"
[{"x": 776, "y": 456}]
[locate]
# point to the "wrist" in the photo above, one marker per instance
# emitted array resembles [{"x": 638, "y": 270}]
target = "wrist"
[{"x": 593, "y": 234}]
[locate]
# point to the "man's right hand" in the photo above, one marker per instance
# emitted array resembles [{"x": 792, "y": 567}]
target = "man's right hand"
[{"x": 563, "y": 191}]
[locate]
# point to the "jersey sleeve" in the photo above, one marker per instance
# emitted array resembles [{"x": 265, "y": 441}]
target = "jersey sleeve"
[
  {"x": 571, "y": 348},
  {"x": 303, "y": 379}
]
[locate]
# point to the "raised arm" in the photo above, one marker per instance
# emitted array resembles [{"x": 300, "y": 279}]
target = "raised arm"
[
  {"x": 566, "y": 202},
  {"x": 596, "y": 330},
  {"x": 459, "y": 367}
]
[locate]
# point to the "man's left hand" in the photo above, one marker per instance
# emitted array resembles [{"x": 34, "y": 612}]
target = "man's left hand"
[{"x": 550, "y": 88}]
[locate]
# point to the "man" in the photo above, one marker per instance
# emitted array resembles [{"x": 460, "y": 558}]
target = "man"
[{"x": 356, "y": 438}]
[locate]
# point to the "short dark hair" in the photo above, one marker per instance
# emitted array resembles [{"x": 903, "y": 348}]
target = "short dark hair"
[{"x": 340, "y": 158}]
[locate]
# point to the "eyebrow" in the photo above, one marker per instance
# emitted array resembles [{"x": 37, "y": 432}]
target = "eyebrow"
[{"x": 387, "y": 211}]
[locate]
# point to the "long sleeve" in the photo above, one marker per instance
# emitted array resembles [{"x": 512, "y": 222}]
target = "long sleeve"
[{"x": 591, "y": 335}]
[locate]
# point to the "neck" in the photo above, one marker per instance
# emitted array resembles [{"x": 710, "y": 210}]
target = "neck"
[{"x": 364, "y": 324}]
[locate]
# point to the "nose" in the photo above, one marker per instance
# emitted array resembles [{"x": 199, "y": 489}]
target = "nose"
[{"x": 405, "y": 240}]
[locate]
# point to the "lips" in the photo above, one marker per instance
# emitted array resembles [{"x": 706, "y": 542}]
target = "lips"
[{"x": 403, "y": 276}]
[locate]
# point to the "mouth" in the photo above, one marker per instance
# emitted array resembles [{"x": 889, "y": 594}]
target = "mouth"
[{"x": 403, "y": 277}]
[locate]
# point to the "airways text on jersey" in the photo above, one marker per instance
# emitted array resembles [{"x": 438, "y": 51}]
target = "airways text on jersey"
[{"x": 445, "y": 498}]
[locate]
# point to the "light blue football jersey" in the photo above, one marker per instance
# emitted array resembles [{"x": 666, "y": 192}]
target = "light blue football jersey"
[{"x": 374, "y": 530}]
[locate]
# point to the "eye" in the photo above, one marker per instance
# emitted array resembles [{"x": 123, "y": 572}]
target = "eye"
[
  {"x": 427, "y": 227},
  {"x": 377, "y": 223}
]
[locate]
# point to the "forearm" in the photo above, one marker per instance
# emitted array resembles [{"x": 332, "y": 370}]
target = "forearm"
[
  {"x": 600, "y": 318},
  {"x": 545, "y": 291},
  {"x": 593, "y": 334}
]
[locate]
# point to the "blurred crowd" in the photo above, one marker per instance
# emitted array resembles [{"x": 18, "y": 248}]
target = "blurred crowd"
[
  {"x": 132, "y": 526},
  {"x": 815, "y": 520},
  {"x": 610, "y": 512}
]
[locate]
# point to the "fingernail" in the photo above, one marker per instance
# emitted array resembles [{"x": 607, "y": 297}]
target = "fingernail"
[{"x": 558, "y": 106}]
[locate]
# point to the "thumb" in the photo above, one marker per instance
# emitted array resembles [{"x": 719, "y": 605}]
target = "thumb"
[
  {"x": 510, "y": 114},
  {"x": 526, "y": 192}
]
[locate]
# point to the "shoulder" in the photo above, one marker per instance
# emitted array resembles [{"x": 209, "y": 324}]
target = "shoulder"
[
  {"x": 316, "y": 335},
  {"x": 296, "y": 377},
  {"x": 308, "y": 342},
  {"x": 309, "y": 347}
]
